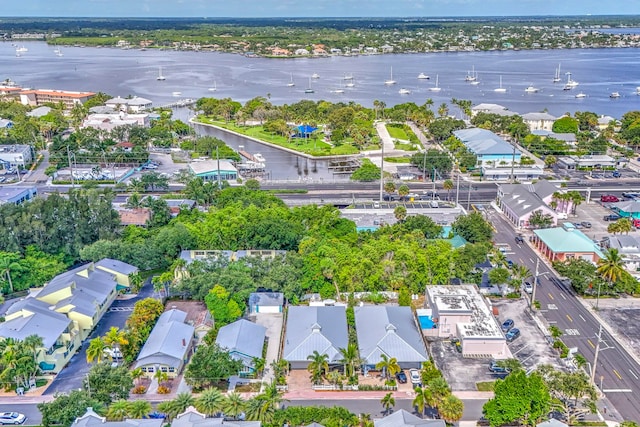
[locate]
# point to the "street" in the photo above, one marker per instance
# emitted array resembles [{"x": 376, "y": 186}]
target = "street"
[{"x": 616, "y": 371}]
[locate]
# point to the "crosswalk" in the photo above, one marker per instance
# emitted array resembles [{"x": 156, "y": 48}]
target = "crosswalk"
[{"x": 113, "y": 309}]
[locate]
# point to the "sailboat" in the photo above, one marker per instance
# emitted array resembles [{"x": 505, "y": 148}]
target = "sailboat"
[
  {"x": 471, "y": 77},
  {"x": 436, "y": 88},
  {"x": 22, "y": 49},
  {"x": 570, "y": 83},
  {"x": 348, "y": 77},
  {"x": 57, "y": 51},
  {"x": 309, "y": 89},
  {"x": 500, "y": 89},
  {"x": 338, "y": 90},
  {"x": 475, "y": 81},
  {"x": 160, "y": 76},
  {"x": 390, "y": 81},
  {"x": 556, "y": 78},
  {"x": 291, "y": 83},
  {"x": 214, "y": 87}
]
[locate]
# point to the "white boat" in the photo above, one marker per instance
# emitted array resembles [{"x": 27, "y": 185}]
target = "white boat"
[
  {"x": 500, "y": 89},
  {"x": 556, "y": 78},
  {"x": 475, "y": 81},
  {"x": 423, "y": 76},
  {"x": 471, "y": 77},
  {"x": 532, "y": 89},
  {"x": 309, "y": 89},
  {"x": 214, "y": 87},
  {"x": 291, "y": 83},
  {"x": 21, "y": 49},
  {"x": 160, "y": 76},
  {"x": 390, "y": 81},
  {"x": 348, "y": 77},
  {"x": 176, "y": 93},
  {"x": 404, "y": 91},
  {"x": 570, "y": 83},
  {"x": 436, "y": 88},
  {"x": 638, "y": 90},
  {"x": 614, "y": 95},
  {"x": 581, "y": 95},
  {"x": 350, "y": 84},
  {"x": 57, "y": 51},
  {"x": 259, "y": 158},
  {"x": 315, "y": 76},
  {"x": 338, "y": 91}
]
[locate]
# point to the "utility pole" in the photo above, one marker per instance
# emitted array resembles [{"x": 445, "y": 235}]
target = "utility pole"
[
  {"x": 469, "y": 197},
  {"x": 595, "y": 357},
  {"x": 458, "y": 186},
  {"x": 218, "y": 160},
  {"x": 513, "y": 160},
  {"x": 424, "y": 166},
  {"x": 381, "y": 170},
  {"x": 433, "y": 194},
  {"x": 535, "y": 285},
  {"x": 70, "y": 166}
]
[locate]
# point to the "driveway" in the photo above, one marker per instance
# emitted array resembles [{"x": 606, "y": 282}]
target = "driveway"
[
  {"x": 273, "y": 323},
  {"x": 71, "y": 377}
]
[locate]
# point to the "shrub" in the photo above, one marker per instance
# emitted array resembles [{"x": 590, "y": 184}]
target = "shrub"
[
  {"x": 163, "y": 389},
  {"x": 139, "y": 389}
]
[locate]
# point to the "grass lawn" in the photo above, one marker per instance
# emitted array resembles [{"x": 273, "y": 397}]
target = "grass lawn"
[
  {"x": 398, "y": 159},
  {"x": 405, "y": 147},
  {"x": 397, "y": 132},
  {"x": 314, "y": 147},
  {"x": 485, "y": 385}
]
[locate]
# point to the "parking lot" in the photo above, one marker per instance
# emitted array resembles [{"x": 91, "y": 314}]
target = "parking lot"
[
  {"x": 531, "y": 348},
  {"x": 594, "y": 213}
]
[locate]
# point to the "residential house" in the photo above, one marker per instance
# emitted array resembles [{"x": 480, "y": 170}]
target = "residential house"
[
  {"x": 391, "y": 331},
  {"x": 462, "y": 312},
  {"x": 134, "y": 105},
  {"x": 628, "y": 246},
  {"x": 17, "y": 195},
  {"x": 192, "y": 418},
  {"x": 491, "y": 109},
  {"x": 627, "y": 208},
  {"x": 489, "y": 148},
  {"x": 539, "y": 121},
  {"x": 402, "y": 418},
  {"x": 92, "y": 419},
  {"x": 605, "y": 121},
  {"x": 210, "y": 170},
  {"x": 309, "y": 329},
  {"x": 110, "y": 121},
  {"x": 6, "y": 123},
  {"x": 568, "y": 138},
  {"x": 176, "y": 205},
  {"x": 16, "y": 155},
  {"x": 519, "y": 201},
  {"x": 206, "y": 255},
  {"x": 168, "y": 346},
  {"x": 121, "y": 270},
  {"x": 566, "y": 242},
  {"x": 244, "y": 341},
  {"x": 266, "y": 302},
  {"x": 9, "y": 93},
  {"x": 39, "y": 112}
]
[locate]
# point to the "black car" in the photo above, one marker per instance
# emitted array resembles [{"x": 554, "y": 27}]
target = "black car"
[
  {"x": 519, "y": 240},
  {"x": 612, "y": 217},
  {"x": 401, "y": 377},
  {"x": 388, "y": 197}
]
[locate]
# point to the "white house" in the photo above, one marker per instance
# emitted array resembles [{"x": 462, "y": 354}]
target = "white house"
[{"x": 539, "y": 121}]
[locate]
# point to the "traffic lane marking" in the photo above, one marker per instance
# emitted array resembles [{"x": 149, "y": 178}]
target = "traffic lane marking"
[
  {"x": 569, "y": 317},
  {"x": 617, "y": 374}
]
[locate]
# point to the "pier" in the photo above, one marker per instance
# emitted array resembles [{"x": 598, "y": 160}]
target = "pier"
[{"x": 179, "y": 103}]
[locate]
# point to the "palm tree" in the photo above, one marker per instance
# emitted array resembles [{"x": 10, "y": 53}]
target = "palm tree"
[
  {"x": 139, "y": 409},
  {"x": 521, "y": 272},
  {"x": 350, "y": 359},
  {"x": 318, "y": 366},
  {"x": 403, "y": 190},
  {"x": 115, "y": 338},
  {"x": 389, "y": 187},
  {"x": 161, "y": 376},
  {"x": 400, "y": 212},
  {"x": 136, "y": 374},
  {"x": 210, "y": 401},
  {"x": 280, "y": 368},
  {"x": 576, "y": 200},
  {"x": 118, "y": 410},
  {"x": 450, "y": 409},
  {"x": 388, "y": 402},
  {"x": 233, "y": 405},
  {"x": 423, "y": 399},
  {"x": 447, "y": 185},
  {"x": 439, "y": 389},
  {"x": 96, "y": 349},
  {"x": 263, "y": 406},
  {"x": 624, "y": 225},
  {"x": 258, "y": 365},
  {"x": 611, "y": 267},
  {"x": 389, "y": 365}
]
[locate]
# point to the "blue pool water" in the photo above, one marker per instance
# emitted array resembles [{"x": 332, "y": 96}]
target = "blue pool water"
[{"x": 426, "y": 322}]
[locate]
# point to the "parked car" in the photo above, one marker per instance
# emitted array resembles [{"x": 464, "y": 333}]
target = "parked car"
[
  {"x": 388, "y": 197},
  {"x": 635, "y": 222},
  {"x": 612, "y": 217},
  {"x": 496, "y": 368},
  {"x": 12, "y": 418},
  {"x": 507, "y": 325},
  {"x": 428, "y": 195},
  {"x": 401, "y": 377},
  {"x": 629, "y": 195},
  {"x": 512, "y": 334},
  {"x": 563, "y": 215},
  {"x": 509, "y": 263},
  {"x": 609, "y": 198},
  {"x": 586, "y": 224},
  {"x": 617, "y": 174},
  {"x": 414, "y": 374},
  {"x": 519, "y": 240},
  {"x": 528, "y": 287}
]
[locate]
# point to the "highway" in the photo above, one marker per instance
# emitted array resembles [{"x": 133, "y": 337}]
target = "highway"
[{"x": 616, "y": 370}]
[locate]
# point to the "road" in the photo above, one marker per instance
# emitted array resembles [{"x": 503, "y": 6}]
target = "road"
[{"x": 616, "y": 371}]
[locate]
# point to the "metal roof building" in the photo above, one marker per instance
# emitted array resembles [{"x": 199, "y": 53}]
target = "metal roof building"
[
  {"x": 91, "y": 419},
  {"x": 402, "y": 418},
  {"x": 391, "y": 331},
  {"x": 309, "y": 329},
  {"x": 244, "y": 341},
  {"x": 488, "y": 147}
]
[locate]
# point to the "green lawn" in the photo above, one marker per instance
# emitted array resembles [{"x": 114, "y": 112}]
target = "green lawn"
[
  {"x": 314, "y": 147},
  {"x": 398, "y": 159},
  {"x": 397, "y": 132},
  {"x": 485, "y": 385}
]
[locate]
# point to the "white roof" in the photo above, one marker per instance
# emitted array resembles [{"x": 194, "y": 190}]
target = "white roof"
[{"x": 211, "y": 166}]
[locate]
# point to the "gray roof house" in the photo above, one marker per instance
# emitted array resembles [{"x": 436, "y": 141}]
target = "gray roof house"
[
  {"x": 244, "y": 341},
  {"x": 391, "y": 331},
  {"x": 91, "y": 419},
  {"x": 168, "y": 345},
  {"x": 266, "y": 302},
  {"x": 402, "y": 418},
  {"x": 191, "y": 418},
  {"x": 519, "y": 201},
  {"x": 309, "y": 329}
]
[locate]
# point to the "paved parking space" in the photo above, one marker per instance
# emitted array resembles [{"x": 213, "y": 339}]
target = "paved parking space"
[{"x": 594, "y": 212}]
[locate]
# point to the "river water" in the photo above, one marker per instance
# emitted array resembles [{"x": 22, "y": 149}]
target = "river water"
[{"x": 193, "y": 74}]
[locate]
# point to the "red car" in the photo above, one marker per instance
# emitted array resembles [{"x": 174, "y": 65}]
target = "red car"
[{"x": 609, "y": 198}]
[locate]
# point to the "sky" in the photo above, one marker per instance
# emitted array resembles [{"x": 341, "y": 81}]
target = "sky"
[{"x": 314, "y": 8}]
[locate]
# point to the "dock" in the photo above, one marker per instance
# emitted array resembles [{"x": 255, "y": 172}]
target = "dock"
[
  {"x": 343, "y": 166},
  {"x": 249, "y": 156},
  {"x": 179, "y": 103}
]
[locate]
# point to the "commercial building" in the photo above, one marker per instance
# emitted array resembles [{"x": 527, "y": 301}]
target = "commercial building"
[
  {"x": 505, "y": 173},
  {"x": 134, "y": 105},
  {"x": 38, "y": 97},
  {"x": 210, "y": 170},
  {"x": 461, "y": 312},
  {"x": 491, "y": 109},
  {"x": 627, "y": 208},
  {"x": 309, "y": 329},
  {"x": 519, "y": 201},
  {"x": 566, "y": 242},
  {"x": 15, "y": 156},
  {"x": 489, "y": 148},
  {"x": 390, "y": 331},
  {"x": 17, "y": 195}
]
